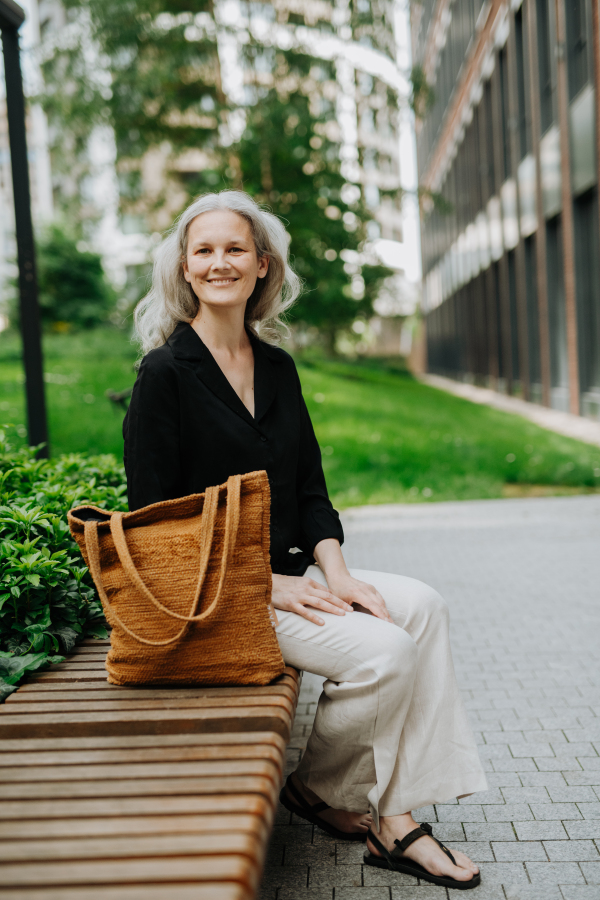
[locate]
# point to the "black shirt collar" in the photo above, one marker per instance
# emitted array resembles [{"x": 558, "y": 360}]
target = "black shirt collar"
[{"x": 186, "y": 344}]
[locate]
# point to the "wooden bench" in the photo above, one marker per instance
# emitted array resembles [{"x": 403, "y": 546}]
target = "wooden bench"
[{"x": 117, "y": 793}]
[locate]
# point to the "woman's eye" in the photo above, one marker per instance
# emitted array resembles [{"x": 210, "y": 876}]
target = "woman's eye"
[{"x": 236, "y": 250}]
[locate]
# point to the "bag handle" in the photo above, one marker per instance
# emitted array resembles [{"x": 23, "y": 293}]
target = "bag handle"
[{"x": 209, "y": 513}]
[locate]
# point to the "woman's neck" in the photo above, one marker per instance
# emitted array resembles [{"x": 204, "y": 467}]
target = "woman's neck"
[{"x": 223, "y": 331}]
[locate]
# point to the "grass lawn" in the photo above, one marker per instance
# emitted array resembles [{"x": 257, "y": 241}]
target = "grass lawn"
[{"x": 385, "y": 437}]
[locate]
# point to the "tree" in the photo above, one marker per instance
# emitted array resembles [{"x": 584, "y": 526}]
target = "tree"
[
  {"x": 73, "y": 290},
  {"x": 161, "y": 90}
]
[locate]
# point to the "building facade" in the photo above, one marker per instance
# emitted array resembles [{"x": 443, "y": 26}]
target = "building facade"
[{"x": 508, "y": 159}]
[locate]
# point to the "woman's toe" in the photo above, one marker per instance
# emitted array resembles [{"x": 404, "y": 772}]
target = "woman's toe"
[{"x": 464, "y": 862}]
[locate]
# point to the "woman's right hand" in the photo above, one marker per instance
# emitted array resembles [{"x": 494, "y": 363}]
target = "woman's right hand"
[{"x": 302, "y": 595}]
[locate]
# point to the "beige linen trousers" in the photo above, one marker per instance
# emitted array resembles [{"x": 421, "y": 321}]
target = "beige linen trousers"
[{"x": 391, "y": 732}]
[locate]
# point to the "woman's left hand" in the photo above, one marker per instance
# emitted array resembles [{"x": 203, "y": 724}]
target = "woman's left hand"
[{"x": 363, "y": 597}]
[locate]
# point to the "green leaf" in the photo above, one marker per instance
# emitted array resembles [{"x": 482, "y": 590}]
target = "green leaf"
[
  {"x": 6, "y": 689},
  {"x": 33, "y": 579}
]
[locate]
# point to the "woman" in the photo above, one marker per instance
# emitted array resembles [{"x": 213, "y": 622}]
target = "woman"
[{"x": 212, "y": 399}]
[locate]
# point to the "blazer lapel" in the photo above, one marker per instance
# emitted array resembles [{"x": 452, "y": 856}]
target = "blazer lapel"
[
  {"x": 188, "y": 345},
  {"x": 265, "y": 380}
]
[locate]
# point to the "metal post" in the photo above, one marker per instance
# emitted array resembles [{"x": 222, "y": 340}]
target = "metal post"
[{"x": 11, "y": 18}]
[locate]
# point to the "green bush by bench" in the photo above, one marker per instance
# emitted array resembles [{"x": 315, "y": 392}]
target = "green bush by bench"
[{"x": 47, "y": 598}]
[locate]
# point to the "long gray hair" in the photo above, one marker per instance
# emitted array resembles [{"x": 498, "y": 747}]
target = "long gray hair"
[{"x": 171, "y": 299}]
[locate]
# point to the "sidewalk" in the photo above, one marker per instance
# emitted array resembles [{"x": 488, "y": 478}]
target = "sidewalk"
[
  {"x": 578, "y": 427},
  {"x": 522, "y": 578}
]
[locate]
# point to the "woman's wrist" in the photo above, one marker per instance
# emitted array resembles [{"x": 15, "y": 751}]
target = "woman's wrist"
[{"x": 328, "y": 555}]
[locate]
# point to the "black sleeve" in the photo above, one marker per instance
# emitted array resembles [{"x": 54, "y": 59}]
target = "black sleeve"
[
  {"x": 318, "y": 519},
  {"x": 151, "y": 431}
]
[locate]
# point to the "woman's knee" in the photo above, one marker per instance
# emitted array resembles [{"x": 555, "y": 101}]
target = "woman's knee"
[{"x": 396, "y": 652}]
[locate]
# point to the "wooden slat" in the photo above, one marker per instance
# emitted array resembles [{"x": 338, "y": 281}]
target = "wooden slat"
[
  {"x": 113, "y": 826},
  {"x": 206, "y": 891},
  {"x": 104, "y": 742},
  {"x": 78, "y": 693},
  {"x": 133, "y": 847},
  {"x": 134, "y": 871},
  {"x": 140, "y": 754},
  {"x": 97, "y": 684},
  {"x": 142, "y": 787},
  {"x": 127, "y": 705},
  {"x": 252, "y": 718},
  {"x": 156, "y": 805},
  {"x": 215, "y": 769}
]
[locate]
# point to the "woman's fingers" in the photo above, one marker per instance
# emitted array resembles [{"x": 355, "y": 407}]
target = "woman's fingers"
[
  {"x": 369, "y": 598},
  {"x": 324, "y": 594},
  {"x": 306, "y": 613}
]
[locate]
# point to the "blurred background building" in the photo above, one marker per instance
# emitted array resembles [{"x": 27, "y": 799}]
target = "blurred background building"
[
  {"x": 124, "y": 186},
  {"x": 510, "y": 248}
]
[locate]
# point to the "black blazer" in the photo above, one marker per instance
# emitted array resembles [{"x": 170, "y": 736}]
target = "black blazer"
[{"x": 186, "y": 429}]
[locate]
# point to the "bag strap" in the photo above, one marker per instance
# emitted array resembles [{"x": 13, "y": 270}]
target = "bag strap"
[{"x": 211, "y": 501}]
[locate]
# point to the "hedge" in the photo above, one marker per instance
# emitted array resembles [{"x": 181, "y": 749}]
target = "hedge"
[{"x": 47, "y": 597}]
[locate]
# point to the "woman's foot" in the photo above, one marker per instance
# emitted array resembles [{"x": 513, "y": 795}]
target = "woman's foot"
[
  {"x": 341, "y": 819},
  {"x": 424, "y": 851}
]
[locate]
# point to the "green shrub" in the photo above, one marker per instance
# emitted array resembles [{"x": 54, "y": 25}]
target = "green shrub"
[
  {"x": 47, "y": 597},
  {"x": 74, "y": 292}
]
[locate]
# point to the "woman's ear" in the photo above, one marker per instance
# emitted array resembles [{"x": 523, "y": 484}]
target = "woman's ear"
[
  {"x": 186, "y": 273},
  {"x": 263, "y": 266}
]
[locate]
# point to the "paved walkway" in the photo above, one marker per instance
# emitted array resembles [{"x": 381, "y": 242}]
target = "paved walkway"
[
  {"x": 522, "y": 578},
  {"x": 583, "y": 429}
]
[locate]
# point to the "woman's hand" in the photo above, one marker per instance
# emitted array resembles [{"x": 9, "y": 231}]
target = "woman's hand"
[
  {"x": 363, "y": 596},
  {"x": 303, "y": 595}
]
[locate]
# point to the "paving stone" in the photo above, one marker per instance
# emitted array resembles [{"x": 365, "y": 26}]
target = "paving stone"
[
  {"x": 373, "y": 877},
  {"x": 478, "y": 851},
  {"x": 540, "y": 831},
  {"x": 348, "y": 853},
  {"x": 519, "y": 851},
  {"x": 495, "y": 831},
  {"x": 492, "y": 796},
  {"x": 590, "y": 828},
  {"x": 503, "y": 873},
  {"x": 589, "y": 810},
  {"x": 577, "y": 851},
  {"x": 555, "y": 873},
  {"x": 509, "y": 812},
  {"x": 310, "y": 855},
  {"x": 532, "y": 892},
  {"x": 418, "y": 892},
  {"x": 579, "y": 892},
  {"x": 303, "y": 893},
  {"x": 460, "y": 813},
  {"x": 336, "y": 876},
  {"x": 525, "y": 795},
  {"x": 542, "y": 779},
  {"x": 362, "y": 893},
  {"x": 591, "y": 871},
  {"x": 572, "y": 795},
  {"x": 527, "y": 749},
  {"x": 555, "y": 811}
]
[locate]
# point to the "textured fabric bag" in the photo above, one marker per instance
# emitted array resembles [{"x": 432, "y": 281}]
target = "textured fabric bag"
[{"x": 186, "y": 586}]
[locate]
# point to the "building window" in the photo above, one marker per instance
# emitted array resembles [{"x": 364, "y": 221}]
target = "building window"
[
  {"x": 544, "y": 62},
  {"x": 489, "y": 139},
  {"x": 577, "y": 45},
  {"x": 505, "y": 113},
  {"x": 521, "y": 48}
]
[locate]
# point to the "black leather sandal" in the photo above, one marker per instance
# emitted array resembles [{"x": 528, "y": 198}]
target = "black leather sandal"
[
  {"x": 303, "y": 809},
  {"x": 398, "y": 862}
]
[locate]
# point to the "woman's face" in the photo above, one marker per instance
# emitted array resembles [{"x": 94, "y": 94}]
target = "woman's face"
[{"x": 221, "y": 263}]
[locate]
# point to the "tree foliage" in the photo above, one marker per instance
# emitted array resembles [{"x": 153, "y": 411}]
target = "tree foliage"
[
  {"x": 161, "y": 91},
  {"x": 73, "y": 290}
]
